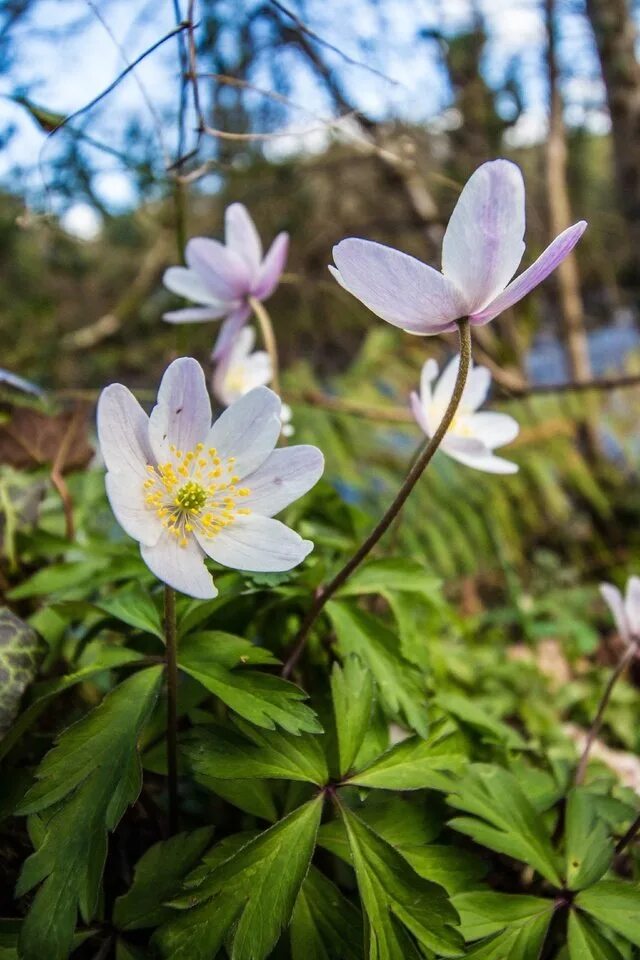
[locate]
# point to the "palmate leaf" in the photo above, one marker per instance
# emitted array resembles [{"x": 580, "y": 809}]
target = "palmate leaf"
[
  {"x": 352, "y": 692},
  {"x": 252, "y": 889},
  {"x": 589, "y": 846},
  {"x": 616, "y": 904},
  {"x": 514, "y": 926},
  {"x": 396, "y": 901},
  {"x": 503, "y": 819},
  {"x": 399, "y": 683},
  {"x": 585, "y": 942},
  {"x": 324, "y": 925},
  {"x": 84, "y": 785}
]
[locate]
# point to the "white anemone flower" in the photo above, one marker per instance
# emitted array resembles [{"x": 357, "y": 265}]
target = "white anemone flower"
[
  {"x": 242, "y": 369},
  {"x": 625, "y": 610},
  {"x": 186, "y": 489},
  {"x": 472, "y": 436}
]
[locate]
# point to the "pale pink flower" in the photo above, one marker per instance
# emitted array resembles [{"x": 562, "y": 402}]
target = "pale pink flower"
[{"x": 625, "y": 610}]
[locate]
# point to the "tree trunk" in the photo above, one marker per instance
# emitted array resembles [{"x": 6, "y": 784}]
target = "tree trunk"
[{"x": 615, "y": 36}]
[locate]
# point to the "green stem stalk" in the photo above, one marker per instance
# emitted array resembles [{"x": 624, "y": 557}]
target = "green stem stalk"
[
  {"x": 170, "y": 633},
  {"x": 324, "y": 594},
  {"x": 269, "y": 339}
]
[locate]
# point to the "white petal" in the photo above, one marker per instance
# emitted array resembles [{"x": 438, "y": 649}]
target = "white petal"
[
  {"x": 285, "y": 476},
  {"x": 613, "y": 598},
  {"x": 477, "y": 388},
  {"x": 400, "y": 289},
  {"x": 223, "y": 271},
  {"x": 240, "y": 235},
  {"x": 123, "y": 432},
  {"x": 259, "y": 544},
  {"x": 126, "y": 495},
  {"x": 247, "y": 430},
  {"x": 187, "y": 283},
  {"x": 272, "y": 267},
  {"x": 494, "y": 429},
  {"x": 418, "y": 410},
  {"x": 194, "y": 315},
  {"x": 483, "y": 243},
  {"x": 182, "y": 415},
  {"x": 230, "y": 329},
  {"x": 443, "y": 390},
  {"x": 180, "y": 567},
  {"x": 632, "y": 605},
  {"x": 487, "y": 462},
  {"x": 428, "y": 374}
]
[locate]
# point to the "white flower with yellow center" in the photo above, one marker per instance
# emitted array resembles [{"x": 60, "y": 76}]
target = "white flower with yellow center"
[
  {"x": 185, "y": 489},
  {"x": 472, "y": 436}
]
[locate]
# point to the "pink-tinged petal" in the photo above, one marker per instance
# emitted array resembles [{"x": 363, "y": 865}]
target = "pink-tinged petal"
[
  {"x": 613, "y": 598},
  {"x": 285, "y": 476},
  {"x": 417, "y": 410},
  {"x": 224, "y": 273},
  {"x": 486, "y": 462},
  {"x": 632, "y": 606},
  {"x": 182, "y": 415},
  {"x": 494, "y": 429},
  {"x": 180, "y": 567},
  {"x": 477, "y": 388},
  {"x": 229, "y": 331},
  {"x": 483, "y": 243},
  {"x": 271, "y": 268},
  {"x": 194, "y": 315},
  {"x": 126, "y": 496},
  {"x": 247, "y": 430},
  {"x": 123, "y": 432},
  {"x": 534, "y": 275},
  {"x": 188, "y": 284},
  {"x": 241, "y": 236},
  {"x": 400, "y": 289},
  {"x": 257, "y": 543}
]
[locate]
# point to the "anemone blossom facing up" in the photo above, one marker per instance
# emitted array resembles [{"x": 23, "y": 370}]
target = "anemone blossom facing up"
[
  {"x": 482, "y": 249},
  {"x": 625, "y": 610},
  {"x": 186, "y": 489},
  {"x": 472, "y": 436},
  {"x": 224, "y": 277}
]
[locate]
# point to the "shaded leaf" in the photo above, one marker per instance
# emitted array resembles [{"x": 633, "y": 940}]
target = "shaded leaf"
[
  {"x": 324, "y": 924},
  {"x": 135, "y": 607},
  {"x": 21, "y": 651},
  {"x": 616, "y": 904},
  {"x": 352, "y": 692},
  {"x": 589, "y": 846},
  {"x": 585, "y": 941}
]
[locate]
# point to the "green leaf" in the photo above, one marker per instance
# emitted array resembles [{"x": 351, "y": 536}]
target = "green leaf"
[
  {"x": 253, "y": 890},
  {"x": 391, "y": 574},
  {"x": 253, "y": 796},
  {"x": 158, "y": 875},
  {"x": 400, "y": 684},
  {"x": 616, "y": 904},
  {"x": 416, "y": 763},
  {"x": 135, "y": 607},
  {"x": 263, "y": 754},
  {"x": 454, "y": 869},
  {"x": 324, "y": 924},
  {"x": 586, "y": 942},
  {"x": 58, "y": 578},
  {"x": 352, "y": 691},
  {"x": 21, "y": 651},
  {"x": 84, "y": 785},
  {"x": 392, "y": 893},
  {"x": 490, "y": 728},
  {"x": 504, "y": 820},
  {"x": 260, "y": 698},
  {"x": 515, "y": 925},
  {"x": 589, "y": 847},
  {"x": 223, "y": 649}
]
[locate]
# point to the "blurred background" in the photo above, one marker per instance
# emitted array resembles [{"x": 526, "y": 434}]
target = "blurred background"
[{"x": 127, "y": 127}]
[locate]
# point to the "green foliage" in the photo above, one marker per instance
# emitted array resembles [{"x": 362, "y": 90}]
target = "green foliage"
[{"x": 20, "y": 653}]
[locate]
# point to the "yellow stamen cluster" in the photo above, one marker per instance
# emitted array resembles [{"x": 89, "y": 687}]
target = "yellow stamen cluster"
[{"x": 195, "y": 491}]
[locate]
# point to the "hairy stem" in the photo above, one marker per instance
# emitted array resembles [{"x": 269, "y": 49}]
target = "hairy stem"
[
  {"x": 595, "y": 727},
  {"x": 269, "y": 339},
  {"x": 172, "y": 705},
  {"x": 324, "y": 594}
]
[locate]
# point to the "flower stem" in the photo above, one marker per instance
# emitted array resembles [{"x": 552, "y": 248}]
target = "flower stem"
[
  {"x": 595, "y": 727},
  {"x": 170, "y": 633},
  {"x": 269, "y": 339},
  {"x": 324, "y": 594},
  {"x": 629, "y": 836}
]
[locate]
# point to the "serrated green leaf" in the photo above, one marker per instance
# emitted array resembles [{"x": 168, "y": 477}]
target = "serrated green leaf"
[
  {"x": 616, "y": 904},
  {"x": 58, "y": 578},
  {"x": 84, "y": 785},
  {"x": 515, "y": 925},
  {"x": 391, "y": 574},
  {"x": 352, "y": 692},
  {"x": 491, "y": 729},
  {"x": 263, "y": 754},
  {"x": 504, "y": 820},
  {"x": 21, "y": 651},
  {"x": 158, "y": 875},
  {"x": 585, "y": 941},
  {"x": 223, "y": 649},
  {"x": 400, "y": 684},
  {"x": 254, "y": 890},
  {"x": 454, "y": 869},
  {"x": 324, "y": 924},
  {"x": 253, "y": 796},
  {"x": 135, "y": 607},
  {"x": 260, "y": 698},
  {"x": 392, "y": 892},
  {"x": 416, "y": 763},
  {"x": 589, "y": 847}
]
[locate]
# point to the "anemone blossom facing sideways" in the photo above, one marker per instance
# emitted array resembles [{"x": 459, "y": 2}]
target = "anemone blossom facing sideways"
[
  {"x": 472, "y": 436},
  {"x": 482, "y": 249},
  {"x": 223, "y": 278},
  {"x": 186, "y": 489},
  {"x": 625, "y": 610}
]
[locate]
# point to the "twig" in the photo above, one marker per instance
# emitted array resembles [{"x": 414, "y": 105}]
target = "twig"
[
  {"x": 324, "y": 594},
  {"x": 56, "y": 475}
]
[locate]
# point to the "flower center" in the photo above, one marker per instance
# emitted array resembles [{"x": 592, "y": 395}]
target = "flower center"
[{"x": 195, "y": 492}]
